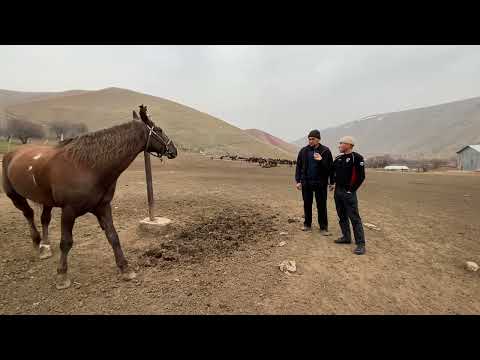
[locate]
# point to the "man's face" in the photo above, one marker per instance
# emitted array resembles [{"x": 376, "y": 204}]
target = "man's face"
[
  {"x": 343, "y": 147},
  {"x": 313, "y": 141}
]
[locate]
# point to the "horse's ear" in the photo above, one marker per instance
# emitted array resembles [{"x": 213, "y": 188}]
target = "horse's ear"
[
  {"x": 135, "y": 116},
  {"x": 144, "y": 116}
]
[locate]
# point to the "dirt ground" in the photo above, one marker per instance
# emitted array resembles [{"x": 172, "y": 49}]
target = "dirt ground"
[{"x": 222, "y": 255}]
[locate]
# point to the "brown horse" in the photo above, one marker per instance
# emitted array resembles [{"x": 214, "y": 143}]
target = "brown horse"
[{"x": 79, "y": 175}]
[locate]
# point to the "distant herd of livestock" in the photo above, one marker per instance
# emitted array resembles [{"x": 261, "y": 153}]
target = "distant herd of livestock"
[{"x": 263, "y": 162}]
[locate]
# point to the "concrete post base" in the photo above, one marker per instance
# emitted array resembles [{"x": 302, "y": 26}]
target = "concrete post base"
[{"x": 158, "y": 225}]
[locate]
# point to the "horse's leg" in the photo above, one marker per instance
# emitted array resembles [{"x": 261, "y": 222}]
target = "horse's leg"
[
  {"x": 21, "y": 203},
  {"x": 104, "y": 216},
  {"x": 45, "y": 251},
  {"x": 66, "y": 242}
]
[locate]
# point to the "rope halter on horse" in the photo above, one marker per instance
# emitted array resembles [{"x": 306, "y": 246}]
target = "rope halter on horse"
[
  {"x": 158, "y": 137},
  {"x": 151, "y": 131}
]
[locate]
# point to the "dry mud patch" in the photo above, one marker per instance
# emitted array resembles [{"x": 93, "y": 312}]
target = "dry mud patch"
[{"x": 215, "y": 231}]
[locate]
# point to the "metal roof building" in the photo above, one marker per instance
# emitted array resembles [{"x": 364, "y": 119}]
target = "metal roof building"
[{"x": 468, "y": 158}]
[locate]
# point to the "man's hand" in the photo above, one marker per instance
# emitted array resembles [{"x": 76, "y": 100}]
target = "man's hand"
[
  {"x": 317, "y": 156},
  {"x": 299, "y": 186},
  {"x": 331, "y": 187}
]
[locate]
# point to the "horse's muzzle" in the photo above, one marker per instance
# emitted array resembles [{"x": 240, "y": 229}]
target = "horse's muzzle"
[{"x": 171, "y": 155}]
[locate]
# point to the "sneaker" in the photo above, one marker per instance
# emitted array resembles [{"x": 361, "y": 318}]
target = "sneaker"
[
  {"x": 325, "y": 232},
  {"x": 342, "y": 240},
  {"x": 306, "y": 228},
  {"x": 359, "y": 250}
]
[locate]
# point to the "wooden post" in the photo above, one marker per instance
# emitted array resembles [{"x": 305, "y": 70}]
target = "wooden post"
[{"x": 148, "y": 173}]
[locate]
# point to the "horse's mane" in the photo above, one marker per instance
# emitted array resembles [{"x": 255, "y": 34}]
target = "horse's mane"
[
  {"x": 65, "y": 142},
  {"x": 100, "y": 148}
]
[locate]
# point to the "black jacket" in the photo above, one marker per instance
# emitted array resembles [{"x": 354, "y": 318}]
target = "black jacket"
[
  {"x": 348, "y": 171},
  {"x": 324, "y": 166}
]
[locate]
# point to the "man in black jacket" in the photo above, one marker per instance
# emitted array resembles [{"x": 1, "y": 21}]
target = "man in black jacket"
[
  {"x": 348, "y": 173},
  {"x": 314, "y": 164}
]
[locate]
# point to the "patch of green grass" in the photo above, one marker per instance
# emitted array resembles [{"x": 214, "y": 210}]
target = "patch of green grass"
[{"x": 4, "y": 146}]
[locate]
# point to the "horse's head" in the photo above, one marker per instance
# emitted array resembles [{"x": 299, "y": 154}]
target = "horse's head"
[{"x": 157, "y": 140}]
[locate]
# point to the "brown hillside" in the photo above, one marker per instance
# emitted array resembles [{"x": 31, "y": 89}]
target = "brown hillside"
[
  {"x": 188, "y": 127},
  {"x": 434, "y": 131},
  {"x": 9, "y": 98},
  {"x": 273, "y": 140}
]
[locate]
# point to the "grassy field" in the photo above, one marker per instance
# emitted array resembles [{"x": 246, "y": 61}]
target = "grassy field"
[
  {"x": 4, "y": 146},
  {"x": 15, "y": 143}
]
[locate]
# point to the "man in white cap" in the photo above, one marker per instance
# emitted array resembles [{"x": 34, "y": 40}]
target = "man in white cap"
[{"x": 348, "y": 173}]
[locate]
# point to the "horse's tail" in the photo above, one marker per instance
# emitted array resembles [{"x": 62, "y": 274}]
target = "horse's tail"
[{"x": 5, "y": 182}]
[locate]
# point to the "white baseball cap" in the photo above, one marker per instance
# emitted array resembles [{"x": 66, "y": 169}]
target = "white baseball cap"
[{"x": 347, "y": 140}]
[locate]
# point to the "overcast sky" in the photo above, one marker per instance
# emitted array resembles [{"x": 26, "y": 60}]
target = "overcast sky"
[{"x": 285, "y": 90}]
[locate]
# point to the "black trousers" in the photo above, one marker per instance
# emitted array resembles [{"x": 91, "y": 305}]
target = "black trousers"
[
  {"x": 347, "y": 209},
  {"x": 320, "y": 192}
]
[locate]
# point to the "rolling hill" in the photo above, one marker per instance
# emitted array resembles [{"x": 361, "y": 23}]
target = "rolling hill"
[
  {"x": 189, "y": 128},
  {"x": 273, "y": 140},
  {"x": 434, "y": 131},
  {"x": 9, "y": 98}
]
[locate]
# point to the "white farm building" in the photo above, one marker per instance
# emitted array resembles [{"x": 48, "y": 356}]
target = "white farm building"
[
  {"x": 468, "y": 157},
  {"x": 396, "y": 168}
]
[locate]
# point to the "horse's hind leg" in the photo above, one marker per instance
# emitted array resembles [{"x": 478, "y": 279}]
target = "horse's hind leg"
[
  {"x": 45, "y": 251},
  {"x": 21, "y": 203},
  {"x": 66, "y": 242}
]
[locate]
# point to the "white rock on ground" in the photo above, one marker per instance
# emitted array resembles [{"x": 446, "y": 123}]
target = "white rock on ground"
[
  {"x": 283, "y": 233},
  {"x": 472, "y": 266},
  {"x": 288, "y": 266},
  {"x": 282, "y": 243},
  {"x": 371, "y": 226}
]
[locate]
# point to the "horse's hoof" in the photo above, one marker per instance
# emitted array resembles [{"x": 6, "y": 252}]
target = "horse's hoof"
[
  {"x": 45, "y": 251},
  {"x": 63, "y": 282},
  {"x": 129, "y": 275}
]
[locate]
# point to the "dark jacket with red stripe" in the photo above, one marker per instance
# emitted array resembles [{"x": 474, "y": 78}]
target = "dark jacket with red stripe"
[{"x": 348, "y": 171}]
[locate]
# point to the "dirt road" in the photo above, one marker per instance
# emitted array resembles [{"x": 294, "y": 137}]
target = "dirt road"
[{"x": 222, "y": 256}]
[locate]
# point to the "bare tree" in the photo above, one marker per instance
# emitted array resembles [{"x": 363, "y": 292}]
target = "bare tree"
[
  {"x": 63, "y": 128},
  {"x": 78, "y": 129},
  {"x": 423, "y": 165},
  {"x": 379, "y": 161},
  {"x": 3, "y": 129},
  {"x": 23, "y": 129},
  {"x": 436, "y": 163},
  {"x": 59, "y": 127}
]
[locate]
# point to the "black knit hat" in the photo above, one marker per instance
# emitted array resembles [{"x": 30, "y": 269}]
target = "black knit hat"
[{"x": 315, "y": 134}]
